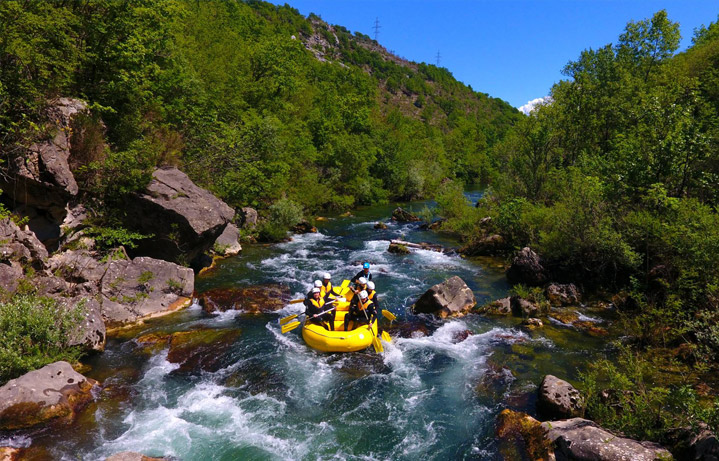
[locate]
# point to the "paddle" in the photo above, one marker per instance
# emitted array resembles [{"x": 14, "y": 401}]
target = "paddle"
[
  {"x": 388, "y": 315},
  {"x": 378, "y": 348},
  {"x": 291, "y": 326}
]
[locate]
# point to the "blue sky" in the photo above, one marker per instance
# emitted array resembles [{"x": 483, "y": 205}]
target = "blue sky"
[{"x": 511, "y": 49}]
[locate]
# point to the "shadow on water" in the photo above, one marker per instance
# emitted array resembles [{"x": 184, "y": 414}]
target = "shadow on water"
[{"x": 433, "y": 394}]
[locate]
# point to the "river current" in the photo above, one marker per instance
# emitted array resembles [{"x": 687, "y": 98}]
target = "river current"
[{"x": 429, "y": 396}]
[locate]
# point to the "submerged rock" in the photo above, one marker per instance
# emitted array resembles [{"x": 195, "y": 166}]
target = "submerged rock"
[
  {"x": 200, "y": 350},
  {"x": 398, "y": 249},
  {"x": 558, "y": 399},
  {"x": 494, "y": 382},
  {"x": 132, "y": 456},
  {"x": 408, "y": 329},
  {"x": 527, "y": 269},
  {"x": 522, "y": 437},
  {"x": 532, "y": 323},
  {"x": 579, "y": 438},
  {"x": 401, "y": 215},
  {"x": 304, "y": 228},
  {"x": 55, "y": 391},
  {"x": 255, "y": 300},
  {"x": 184, "y": 218},
  {"x": 450, "y": 297}
]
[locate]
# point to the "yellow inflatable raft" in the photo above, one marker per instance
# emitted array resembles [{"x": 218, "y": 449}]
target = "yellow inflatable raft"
[{"x": 317, "y": 337}]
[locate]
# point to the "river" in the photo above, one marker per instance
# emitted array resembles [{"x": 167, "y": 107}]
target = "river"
[{"x": 427, "y": 397}]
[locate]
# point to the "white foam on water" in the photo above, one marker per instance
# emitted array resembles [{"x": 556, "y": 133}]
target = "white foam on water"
[
  {"x": 151, "y": 383},
  {"x": 16, "y": 441},
  {"x": 586, "y": 318},
  {"x": 206, "y": 416}
]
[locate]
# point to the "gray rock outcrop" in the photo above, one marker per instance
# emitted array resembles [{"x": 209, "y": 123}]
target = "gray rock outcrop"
[
  {"x": 563, "y": 294},
  {"x": 581, "y": 439},
  {"x": 249, "y": 217},
  {"x": 185, "y": 219},
  {"x": 558, "y": 399},
  {"x": 142, "y": 288},
  {"x": 450, "y": 297},
  {"x": 18, "y": 247},
  {"x": 523, "y": 307},
  {"x": 527, "y": 269},
  {"x": 228, "y": 243},
  {"x": 54, "y": 391},
  {"x": 90, "y": 332},
  {"x": 41, "y": 176}
]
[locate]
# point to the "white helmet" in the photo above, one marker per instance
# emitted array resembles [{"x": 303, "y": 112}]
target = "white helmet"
[
  {"x": 318, "y": 284},
  {"x": 362, "y": 281},
  {"x": 326, "y": 276},
  {"x": 315, "y": 290},
  {"x": 363, "y": 294},
  {"x": 370, "y": 285}
]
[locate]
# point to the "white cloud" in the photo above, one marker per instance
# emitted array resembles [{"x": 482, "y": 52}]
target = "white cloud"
[{"x": 531, "y": 105}]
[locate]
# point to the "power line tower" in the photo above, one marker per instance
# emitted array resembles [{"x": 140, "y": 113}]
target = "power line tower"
[
  {"x": 377, "y": 27},
  {"x": 439, "y": 58}
]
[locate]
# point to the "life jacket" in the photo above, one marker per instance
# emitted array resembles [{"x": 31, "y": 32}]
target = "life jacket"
[
  {"x": 318, "y": 303},
  {"x": 324, "y": 290},
  {"x": 364, "y": 306},
  {"x": 370, "y": 296}
]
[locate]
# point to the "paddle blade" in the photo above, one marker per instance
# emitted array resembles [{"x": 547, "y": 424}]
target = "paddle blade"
[
  {"x": 378, "y": 348},
  {"x": 290, "y": 326},
  {"x": 386, "y": 337},
  {"x": 287, "y": 319},
  {"x": 388, "y": 315},
  {"x": 345, "y": 284},
  {"x": 295, "y": 301}
]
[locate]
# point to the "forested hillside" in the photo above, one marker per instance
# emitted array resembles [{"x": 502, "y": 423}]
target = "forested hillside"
[
  {"x": 253, "y": 101},
  {"x": 615, "y": 184}
]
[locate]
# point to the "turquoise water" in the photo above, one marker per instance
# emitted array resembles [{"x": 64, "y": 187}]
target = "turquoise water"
[{"x": 431, "y": 396}]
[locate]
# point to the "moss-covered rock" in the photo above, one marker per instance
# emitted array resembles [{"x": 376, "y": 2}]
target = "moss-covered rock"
[{"x": 522, "y": 437}]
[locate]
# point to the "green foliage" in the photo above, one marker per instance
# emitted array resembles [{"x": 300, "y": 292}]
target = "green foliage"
[
  {"x": 630, "y": 397},
  {"x": 282, "y": 215},
  {"x": 35, "y": 331},
  {"x": 110, "y": 237}
]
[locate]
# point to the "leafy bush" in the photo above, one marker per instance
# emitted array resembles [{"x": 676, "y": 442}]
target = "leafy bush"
[
  {"x": 34, "y": 331},
  {"x": 630, "y": 397},
  {"x": 283, "y": 214}
]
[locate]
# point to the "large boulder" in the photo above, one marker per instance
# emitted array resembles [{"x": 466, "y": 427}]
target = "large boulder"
[
  {"x": 55, "y": 391},
  {"x": 450, "y": 297},
  {"x": 228, "y": 243},
  {"x": 520, "y": 436},
  {"x": 21, "y": 245},
  {"x": 558, "y": 399},
  {"x": 78, "y": 266},
  {"x": 579, "y": 438},
  {"x": 90, "y": 332},
  {"x": 254, "y": 300},
  {"x": 41, "y": 176},
  {"x": 18, "y": 248},
  {"x": 401, "y": 215},
  {"x": 563, "y": 294},
  {"x": 184, "y": 219},
  {"x": 133, "y": 290},
  {"x": 527, "y": 269}
]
